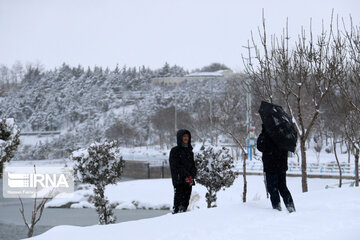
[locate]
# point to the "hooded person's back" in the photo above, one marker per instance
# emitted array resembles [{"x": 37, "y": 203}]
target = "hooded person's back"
[
  {"x": 274, "y": 159},
  {"x": 182, "y": 164}
]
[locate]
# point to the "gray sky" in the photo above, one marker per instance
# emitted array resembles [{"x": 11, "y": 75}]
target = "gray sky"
[{"x": 190, "y": 33}]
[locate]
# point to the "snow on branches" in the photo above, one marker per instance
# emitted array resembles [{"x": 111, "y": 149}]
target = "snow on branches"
[
  {"x": 9, "y": 140},
  {"x": 100, "y": 164},
  {"x": 215, "y": 171}
]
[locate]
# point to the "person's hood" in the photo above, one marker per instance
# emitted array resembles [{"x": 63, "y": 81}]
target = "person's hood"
[{"x": 179, "y": 136}]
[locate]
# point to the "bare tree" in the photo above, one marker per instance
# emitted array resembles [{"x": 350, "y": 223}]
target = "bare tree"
[
  {"x": 36, "y": 213},
  {"x": 350, "y": 85},
  {"x": 349, "y": 89},
  {"x": 335, "y": 125},
  {"x": 352, "y": 132},
  {"x": 299, "y": 77},
  {"x": 230, "y": 121}
]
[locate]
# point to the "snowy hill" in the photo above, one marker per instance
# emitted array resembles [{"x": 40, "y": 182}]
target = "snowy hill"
[
  {"x": 88, "y": 105},
  {"x": 325, "y": 214}
]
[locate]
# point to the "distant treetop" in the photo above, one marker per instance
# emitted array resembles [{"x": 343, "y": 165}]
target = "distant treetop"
[{"x": 213, "y": 67}]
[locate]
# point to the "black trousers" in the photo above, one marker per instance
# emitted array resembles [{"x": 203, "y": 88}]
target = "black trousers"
[
  {"x": 276, "y": 183},
  {"x": 182, "y": 195}
]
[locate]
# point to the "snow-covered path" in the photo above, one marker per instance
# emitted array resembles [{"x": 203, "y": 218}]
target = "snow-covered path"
[{"x": 323, "y": 214}]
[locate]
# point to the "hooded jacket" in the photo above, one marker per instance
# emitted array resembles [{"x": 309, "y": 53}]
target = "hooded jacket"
[
  {"x": 274, "y": 159},
  {"x": 181, "y": 159}
]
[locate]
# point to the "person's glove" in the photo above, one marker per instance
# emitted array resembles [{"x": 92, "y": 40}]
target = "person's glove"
[{"x": 189, "y": 180}]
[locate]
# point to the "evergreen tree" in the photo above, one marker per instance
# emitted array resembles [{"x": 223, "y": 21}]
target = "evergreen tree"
[
  {"x": 165, "y": 70},
  {"x": 215, "y": 171},
  {"x": 100, "y": 164},
  {"x": 9, "y": 140},
  {"x": 214, "y": 67}
]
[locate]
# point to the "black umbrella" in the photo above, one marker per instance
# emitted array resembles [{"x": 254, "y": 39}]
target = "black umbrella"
[{"x": 279, "y": 126}]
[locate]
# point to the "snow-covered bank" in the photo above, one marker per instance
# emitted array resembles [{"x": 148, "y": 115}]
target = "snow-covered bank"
[
  {"x": 158, "y": 193},
  {"x": 324, "y": 214}
]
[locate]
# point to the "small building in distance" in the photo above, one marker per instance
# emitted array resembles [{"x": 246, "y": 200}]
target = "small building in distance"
[{"x": 196, "y": 76}]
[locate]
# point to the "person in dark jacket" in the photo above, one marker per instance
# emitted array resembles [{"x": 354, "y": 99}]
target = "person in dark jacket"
[
  {"x": 275, "y": 167},
  {"x": 183, "y": 170}
]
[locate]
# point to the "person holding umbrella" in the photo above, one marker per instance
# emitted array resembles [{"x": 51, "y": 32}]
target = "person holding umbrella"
[
  {"x": 183, "y": 170},
  {"x": 276, "y": 127}
]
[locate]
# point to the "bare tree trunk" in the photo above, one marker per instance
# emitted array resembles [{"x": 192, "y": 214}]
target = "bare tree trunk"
[
  {"x": 245, "y": 155},
  {"x": 357, "y": 167},
  {"x": 338, "y": 163},
  {"x": 303, "y": 165},
  {"x": 348, "y": 151}
]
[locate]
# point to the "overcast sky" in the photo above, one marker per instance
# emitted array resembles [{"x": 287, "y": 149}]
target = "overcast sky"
[{"x": 190, "y": 33}]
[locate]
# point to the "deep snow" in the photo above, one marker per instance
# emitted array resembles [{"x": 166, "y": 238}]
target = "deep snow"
[
  {"x": 158, "y": 193},
  {"x": 324, "y": 214}
]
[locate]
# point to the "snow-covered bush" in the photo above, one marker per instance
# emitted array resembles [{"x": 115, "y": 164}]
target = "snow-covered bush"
[
  {"x": 9, "y": 140},
  {"x": 215, "y": 171},
  {"x": 100, "y": 164}
]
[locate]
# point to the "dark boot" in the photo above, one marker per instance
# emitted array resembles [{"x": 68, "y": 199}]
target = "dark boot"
[
  {"x": 277, "y": 207},
  {"x": 182, "y": 209},
  {"x": 175, "y": 209},
  {"x": 291, "y": 208}
]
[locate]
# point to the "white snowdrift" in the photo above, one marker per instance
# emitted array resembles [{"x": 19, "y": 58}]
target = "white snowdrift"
[
  {"x": 325, "y": 214},
  {"x": 158, "y": 193}
]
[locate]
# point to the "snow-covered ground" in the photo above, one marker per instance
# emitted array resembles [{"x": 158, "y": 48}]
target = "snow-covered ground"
[
  {"x": 321, "y": 214},
  {"x": 158, "y": 193}
]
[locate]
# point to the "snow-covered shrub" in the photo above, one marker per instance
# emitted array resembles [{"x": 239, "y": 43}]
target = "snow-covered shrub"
[
  {"x": 9, "y": 140},
  {"x": 215, "y": 171},
  {"x": 100, "y": 164}
]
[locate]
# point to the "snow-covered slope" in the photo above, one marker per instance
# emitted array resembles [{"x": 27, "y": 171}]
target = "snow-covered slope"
[{"x": 325, "y": 214}]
